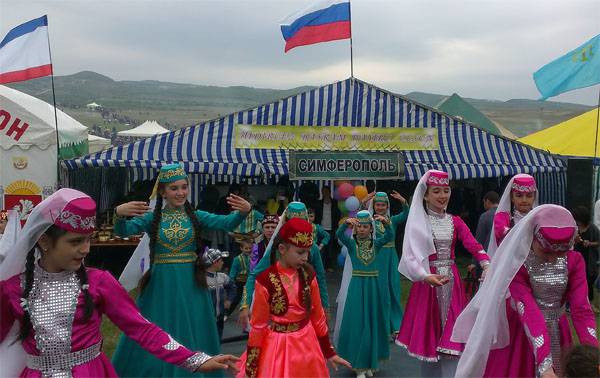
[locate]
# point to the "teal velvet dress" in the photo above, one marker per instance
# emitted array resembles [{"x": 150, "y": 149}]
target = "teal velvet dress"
[
  {"x": 365, "y": 329},
  {"x": 172, "y": 299},
  {"x": 389, "y": 262}
]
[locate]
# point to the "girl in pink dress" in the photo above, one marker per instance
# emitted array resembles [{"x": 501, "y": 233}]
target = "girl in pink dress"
[
  {"x": 537, "y": 269},
  {"x": 519, "y": 197},
  {"x": 54, "y": 309},
  {"x": 437, "y": 295},
  {"x": 289, "y": 335}
]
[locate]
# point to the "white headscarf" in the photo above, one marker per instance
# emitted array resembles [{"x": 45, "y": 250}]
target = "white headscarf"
[
  {"x": 418, "y": 237},
  {"x": 483, "y": 324},
  {"x": 505, "y": 206}
]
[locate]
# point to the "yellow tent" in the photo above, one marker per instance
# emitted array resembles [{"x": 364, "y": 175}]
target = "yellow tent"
[{"x": 573, "y": 137}]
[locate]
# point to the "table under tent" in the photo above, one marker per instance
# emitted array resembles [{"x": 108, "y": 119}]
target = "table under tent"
[{"x": 207, "y": 150}]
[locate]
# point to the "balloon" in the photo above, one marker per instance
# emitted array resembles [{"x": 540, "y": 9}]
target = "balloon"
[
  {"x": 345, "y": 190},
  {"x": 360, "y": 192},
  {"x": 342, "y": 207},
  {"x": 337, "y": 183},
  {"x": 352, "y": 214},
  {"x": 352, "y": 203}
]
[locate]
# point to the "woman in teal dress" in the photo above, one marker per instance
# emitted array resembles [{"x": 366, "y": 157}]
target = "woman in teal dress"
[
  {"x": 173, "y": 292},
  {"x": 294, "y": 210},
  {"x": 364, "y": 330},
  {"x": 381, "y": 205}
]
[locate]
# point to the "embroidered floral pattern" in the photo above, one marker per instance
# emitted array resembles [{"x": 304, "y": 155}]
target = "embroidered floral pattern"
[
  {"x": 76, "y": 221},
  {"x": 252, "y": 357},
  {"x": 302, "y": 239},
  {"x": 523, "y": 188},
  {"x": 438, "y": 181},
  {"x": 365, "y": 251},
  {"x": 279, "y": 305},
  {"x": 172, "y": 173}
]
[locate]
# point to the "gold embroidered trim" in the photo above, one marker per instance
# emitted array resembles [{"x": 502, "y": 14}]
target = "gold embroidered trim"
[
  {"x": 365, "y": 273},
  {"x": 174, "y": 261},
  {"x": 302, "y": 239},
  {"x": 175, "y": 249},
  {"x": 365, "y": 251},
  {"x": 172, "y": 173},
  {"x": 252, "y": 362},
  {"x": 278, "y": 299}
]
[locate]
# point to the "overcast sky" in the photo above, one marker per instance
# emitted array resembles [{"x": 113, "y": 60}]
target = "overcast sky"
[{"x": 477, "y": 48}]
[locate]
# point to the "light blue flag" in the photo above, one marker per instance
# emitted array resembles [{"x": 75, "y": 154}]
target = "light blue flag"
[{"x": 579, "y": 68}]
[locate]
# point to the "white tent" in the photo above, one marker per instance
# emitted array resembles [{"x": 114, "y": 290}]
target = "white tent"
[
  {"x": 97, "y": 143},
  {"x": 28, "y": 151},
  {"x": 146, "y": 129}
]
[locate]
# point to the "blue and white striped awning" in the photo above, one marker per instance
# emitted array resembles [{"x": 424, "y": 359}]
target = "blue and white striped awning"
[{"x": 208, "y": 148}]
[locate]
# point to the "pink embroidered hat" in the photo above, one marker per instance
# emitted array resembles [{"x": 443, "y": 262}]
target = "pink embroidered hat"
[
  {"x": 555, "y": 229},
  {"x": 438, "y": 178},
  {"x": 523, "y": 183}
]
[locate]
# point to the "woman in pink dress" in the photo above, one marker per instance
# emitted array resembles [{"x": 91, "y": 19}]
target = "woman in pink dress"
[
  {"x": 54, "y": 309},
  {"x": 519, "y": 197},
  {"x": 528, "y": 335},
  {"x": 437, "y": 295},
  {"x": 289, "y": 335}
]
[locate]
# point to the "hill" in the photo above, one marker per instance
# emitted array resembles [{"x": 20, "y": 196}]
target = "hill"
[{"x": 128, "y": 103}]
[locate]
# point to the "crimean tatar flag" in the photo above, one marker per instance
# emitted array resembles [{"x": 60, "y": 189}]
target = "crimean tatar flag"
[
  {"x": 579, "y": 68},
  {"x": 25, "y": 52},
  {"x": 322, "y": 21}
]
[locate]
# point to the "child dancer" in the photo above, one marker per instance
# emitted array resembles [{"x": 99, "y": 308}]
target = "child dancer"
[
  {"x": 320, "y": 236},
  {"x": 437, "y": 295},
  {"x": 364, "y": 331},
  {"x": 294, "y": 210},
  {"x": 174, "y": 291},
  {"x": 538, "y": 270},
  {"x": 240, "y": 268},
  {"x": 269, "y": 224},
  {"x": 289, "y": 336},
  {"x": 222, "y": 288},
  {"x": 519, "y": 197},
  {"x": 56, "y": 305}
]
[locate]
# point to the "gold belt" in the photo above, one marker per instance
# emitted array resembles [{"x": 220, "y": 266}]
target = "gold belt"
[
  {"x": 289, "y": 327},
  {"x": 175, "y": 258},
  {"x": 365, "y": 273}
]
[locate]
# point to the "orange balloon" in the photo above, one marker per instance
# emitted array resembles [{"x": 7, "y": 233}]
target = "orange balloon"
[{"x": 360, "y": 192}]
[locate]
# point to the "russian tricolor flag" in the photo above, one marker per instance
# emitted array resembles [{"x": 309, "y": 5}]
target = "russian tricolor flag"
[
  {"x": 25, "y": 52},
  {"x": 324, "y": 20}
]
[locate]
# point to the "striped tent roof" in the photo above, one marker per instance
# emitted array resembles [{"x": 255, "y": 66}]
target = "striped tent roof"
[{"x": 466, "y": 151}]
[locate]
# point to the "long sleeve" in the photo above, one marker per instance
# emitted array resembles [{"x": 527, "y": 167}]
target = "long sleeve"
[
  {"x": 533, "y": 320},
  {"x": 230, "y": 289},
  {"x": 137, "y": 225},
  {"x": 235, "y": 268},
  {"x": 220, "y": 222},
  {"x": 501, "y": 226},
  {"x": 341, "y": 235},
  {"x": 259, "y": 323},
  {"x": 582, "y": 315},
  {"x": 468, "y": 241},
  {"x": 121, "y": 310},
  {"x": 319, "y": 321},
  {"x": 322, "y": 235},
  {"x": 400, "y": 218},
  {"x": 7, "y": 317},
  {"x": 386, "y": 237},
  {"x": 317, "y": 263}
]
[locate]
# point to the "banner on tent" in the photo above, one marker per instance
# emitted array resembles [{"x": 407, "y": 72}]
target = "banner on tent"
[
  {"x": 345, "y": 165},
  {"x": 337, "y": 138}
]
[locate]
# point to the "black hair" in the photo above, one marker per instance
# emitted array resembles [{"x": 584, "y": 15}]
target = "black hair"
[
  {"x": 492, "y": 196},
  {"x": 199, "y": 268},
  {"x": 53, "y": 232},
  {"x": 582, "y": 215},
  {"x": 582, "y": 361}
]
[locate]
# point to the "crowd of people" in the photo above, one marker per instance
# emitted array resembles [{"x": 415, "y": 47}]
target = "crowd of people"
[{"x": 536, "y": 266}]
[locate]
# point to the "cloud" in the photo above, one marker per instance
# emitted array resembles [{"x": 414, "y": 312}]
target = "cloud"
[{"x": 483, "y": 48}]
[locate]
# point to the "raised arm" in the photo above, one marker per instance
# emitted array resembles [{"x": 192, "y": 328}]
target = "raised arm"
[
  {"x": 341, "y": 235},
  {"x": 134, "y": 226},
  {"x": 401, "y": 217},
  {"x": 220, "y": 222}
]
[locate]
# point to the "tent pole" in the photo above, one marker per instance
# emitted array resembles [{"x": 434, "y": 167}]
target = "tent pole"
[
  {"x": 597, "y": 123},
  {"x": 351, "y": 54},
  {"x": 58, "y": 180}
]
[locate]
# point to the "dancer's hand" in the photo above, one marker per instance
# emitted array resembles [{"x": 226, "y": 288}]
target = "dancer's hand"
[
  {"x": 484, "y": 273},
  {"x": 244, "y": 318},
  {"x": 436, "y": 280},
  {"x": 132, "y": 209},
  {"x": 367, "y": 199},
  {"x": 395, "y": 195},
  {"x": 381, "y": 218},
  {"x": 238, "y": 203},
  {"x": 549, "y": 374},
  {"x": 337, "y": 360},
  {"x": 352, "y": 222},
  {"x": 220, "y": 362}
]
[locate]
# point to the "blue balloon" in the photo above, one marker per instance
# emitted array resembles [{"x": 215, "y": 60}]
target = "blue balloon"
[{"x": 352, "y": 203}]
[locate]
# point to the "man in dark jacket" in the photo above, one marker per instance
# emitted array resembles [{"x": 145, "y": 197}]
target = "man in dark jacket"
[{"x": 328, "y": 215}]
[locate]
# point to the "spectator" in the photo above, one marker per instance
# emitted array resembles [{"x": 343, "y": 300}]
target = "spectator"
[
  {"x": 327, "y": 214},
  {"x": 586, "y": 243},
  {"x": 222, "y": 288},
  {"x": 597, "y": 214},
  {"x": 485, "y": 225}
]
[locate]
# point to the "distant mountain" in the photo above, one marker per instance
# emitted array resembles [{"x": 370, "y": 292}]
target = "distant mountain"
[{"x": 184, "y": 104}]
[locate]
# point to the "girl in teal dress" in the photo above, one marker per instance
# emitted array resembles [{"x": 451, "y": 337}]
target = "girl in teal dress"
[
  {"x": 381, "y": 206},
  {"x": 173, "y": 293},
  {"x": 365, "y": 328}
]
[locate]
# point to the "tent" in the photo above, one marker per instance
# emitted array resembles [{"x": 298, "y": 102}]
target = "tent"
[
  {"x": 207, "y": 150},
  {"x": 573, "y": 137},
  {"x": 97, "y": 143},
  {"x": 146, "y": 129},
  {"x": 28, "y": 149}
]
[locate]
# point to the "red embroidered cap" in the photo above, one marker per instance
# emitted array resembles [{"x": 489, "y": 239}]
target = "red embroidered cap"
[
  {"x": 438, "y": 178},
  {"x": 298, "y": 232}
]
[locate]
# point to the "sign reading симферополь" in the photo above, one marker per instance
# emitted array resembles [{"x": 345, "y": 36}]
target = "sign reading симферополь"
[{"x": 304, "y": 165}]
